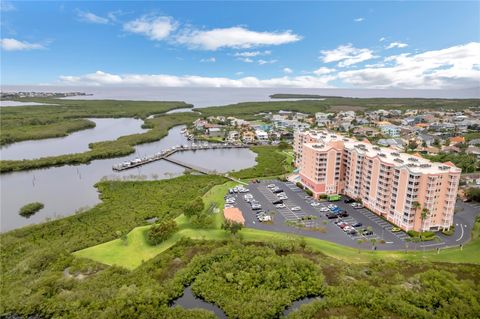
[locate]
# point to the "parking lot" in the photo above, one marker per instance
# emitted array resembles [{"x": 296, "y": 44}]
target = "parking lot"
[{"x": 305, "y": 219}]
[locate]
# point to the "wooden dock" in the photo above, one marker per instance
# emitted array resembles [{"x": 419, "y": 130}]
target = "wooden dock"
[{"x": 165, "y": 154}]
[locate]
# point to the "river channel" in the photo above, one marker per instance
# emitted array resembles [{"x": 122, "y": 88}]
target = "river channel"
[
  {"x": 63, "y": 190},
  {"x": 77, "y": 142}
]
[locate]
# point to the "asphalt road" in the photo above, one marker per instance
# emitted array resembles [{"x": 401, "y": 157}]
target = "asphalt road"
[{"x": 323, "y": 228}]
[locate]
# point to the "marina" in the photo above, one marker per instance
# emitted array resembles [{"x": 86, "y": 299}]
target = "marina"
[{"x": 164, "y": 155}]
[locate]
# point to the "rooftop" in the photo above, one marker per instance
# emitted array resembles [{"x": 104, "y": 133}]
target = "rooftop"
[{"x": 415, "y": 164}]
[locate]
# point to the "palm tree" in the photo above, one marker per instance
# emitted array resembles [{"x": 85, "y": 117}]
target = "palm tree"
[
  {"x": 424, "y": 216},
  {"x": 416, "y": 206}
]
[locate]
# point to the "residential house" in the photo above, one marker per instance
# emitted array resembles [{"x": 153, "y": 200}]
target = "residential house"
[
  {"x": 215, "y": 132},
  {"x": 248, "y": 137},
  {"x": 457, "y": 140},
  {"x": 261, "y": 135},
  {"x": 390, "y": 130},
  {"x": 323, "y": 119}
]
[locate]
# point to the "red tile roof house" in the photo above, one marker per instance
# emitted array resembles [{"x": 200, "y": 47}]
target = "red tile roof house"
[{"x": 234, "y": 214}]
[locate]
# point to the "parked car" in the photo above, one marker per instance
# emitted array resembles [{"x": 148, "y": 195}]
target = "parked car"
[
  {"x": 265, "y": 218},
  {"x": 228, "y": 206},
  {"x": 280, "y": 206},
  {"x": 351, "y": 231},
  {"x": 357, "y": 225},
  {"x": 342, "y": 224},
  {"x": 324, "y": 209},
  {"x": 331, "y": 215},
  {"x": 342, "y": 213},
  {"x": 315, "y": 204},
  {"x": 296, "y": 208},
  {"x": 271, "y": 186},
  {"x": 357, "y": 205},
  {"x": 395, "y": 229},
  {"x": 347, "y": 228},
  {"x": 278, "y": 201},
  {"x": 348, "y": 200},
  {"x": 279, "y": 190},
  {"x": 332, "y": 206},
  {"x": 367, "y": 232}
]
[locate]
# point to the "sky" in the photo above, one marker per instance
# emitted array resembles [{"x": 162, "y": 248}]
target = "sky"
[{"x": 379, "y": 44}]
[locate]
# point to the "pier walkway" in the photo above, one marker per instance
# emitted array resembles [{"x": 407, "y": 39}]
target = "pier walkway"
[{"x": 165, "y": 155}]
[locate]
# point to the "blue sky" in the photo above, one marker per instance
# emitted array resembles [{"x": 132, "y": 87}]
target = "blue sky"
[{"x": 292, "y": 44}]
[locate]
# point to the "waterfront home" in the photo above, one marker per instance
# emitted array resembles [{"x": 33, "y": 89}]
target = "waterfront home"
[
  {"x": 261, "y": 135},
  {"x": 216, "y": 132},
  {"x": 248, "y": 137}
]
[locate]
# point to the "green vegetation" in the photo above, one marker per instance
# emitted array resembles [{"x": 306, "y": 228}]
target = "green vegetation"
[
  {"x": 37, "y": 129},
  {"x": 30, "y": 209},
  {"x": 248, "y": 110},
  {"x": 397, "y": 290},
  {"x": 473, "y": 193},
  {"x": 61, "y": 117},
  {"x": 254, "y": 282},
  {"x": 161, "y": 231},
  {"x": 40, "y": 275},
  {"x": 120, "y": 147},
  {"x": 232, "y": 227},
  {"x": 270, "y": 162},
  {"x": 421, "y": 236},
  {"x": 302, "y": 96},
  {"x": 467, "y": 162}
]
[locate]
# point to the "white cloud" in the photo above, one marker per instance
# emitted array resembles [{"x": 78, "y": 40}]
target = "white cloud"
[
  {"x": 346, "y": 55},
  {"x": 234, "y": 37},
  {"x": 209, "y": 60},
  {"x": 323, "y": 70},
  {"x": 100, "y": 78},
  {"x": 6, "y": 6},
  {"x": 360, "y": 19},
  {"x": 262, "y": 62},
  {"x": 9, "y": 44},
  {"x": 246, "y": 60},
  {"x": 92, "y": 18},
  {"x": 396, "y": 45},
  {"x": 252, "y": 53},
  {"x": 153, "y": 27},
  {"x": 453, "y": 67},
  {"x": 382, "y": 39},
  {"x": 287, "y": 70}
]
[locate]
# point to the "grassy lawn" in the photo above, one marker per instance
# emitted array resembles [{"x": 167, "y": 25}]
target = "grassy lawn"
[{"x": 137, "y": 250}]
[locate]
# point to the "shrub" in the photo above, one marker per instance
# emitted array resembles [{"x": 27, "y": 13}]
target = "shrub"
[
  {"x": 161, "y": 231},
  {"x": 299, "y": 185},
  {"x": 309, "y": 192},
  {"x": 423, "y": 236},
  {"x": 194, "y": 207},
  {"x": 30, "y": 209},
  {"x": 450, "y": 231}
]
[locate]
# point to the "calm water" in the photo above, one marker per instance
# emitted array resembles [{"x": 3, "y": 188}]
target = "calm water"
[
  {"x": 65, "y": 189},
  {"x": 77, "y": 142},
  {"x": 15, "y": 103},
  {"x": 189, "y": 301},
  {"x": 202, "y": 97}
]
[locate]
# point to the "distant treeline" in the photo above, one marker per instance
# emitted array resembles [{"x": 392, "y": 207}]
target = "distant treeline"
[{"x": 303, "y": 96}]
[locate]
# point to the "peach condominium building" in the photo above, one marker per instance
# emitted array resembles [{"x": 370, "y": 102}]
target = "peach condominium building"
[{"x": 409, "y": 191}]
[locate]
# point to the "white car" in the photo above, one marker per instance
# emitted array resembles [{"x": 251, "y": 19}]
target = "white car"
[
  {"x": 265, "y": 218},
  {"x": 280, "y": 206},
  {"x": 315, "y": 204},
  {"x": 271, "y": 186},
  {"x": 295, "y": 208},
  {"x": 228, "y": 206},
  {"x": 324, "y": 209}
]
